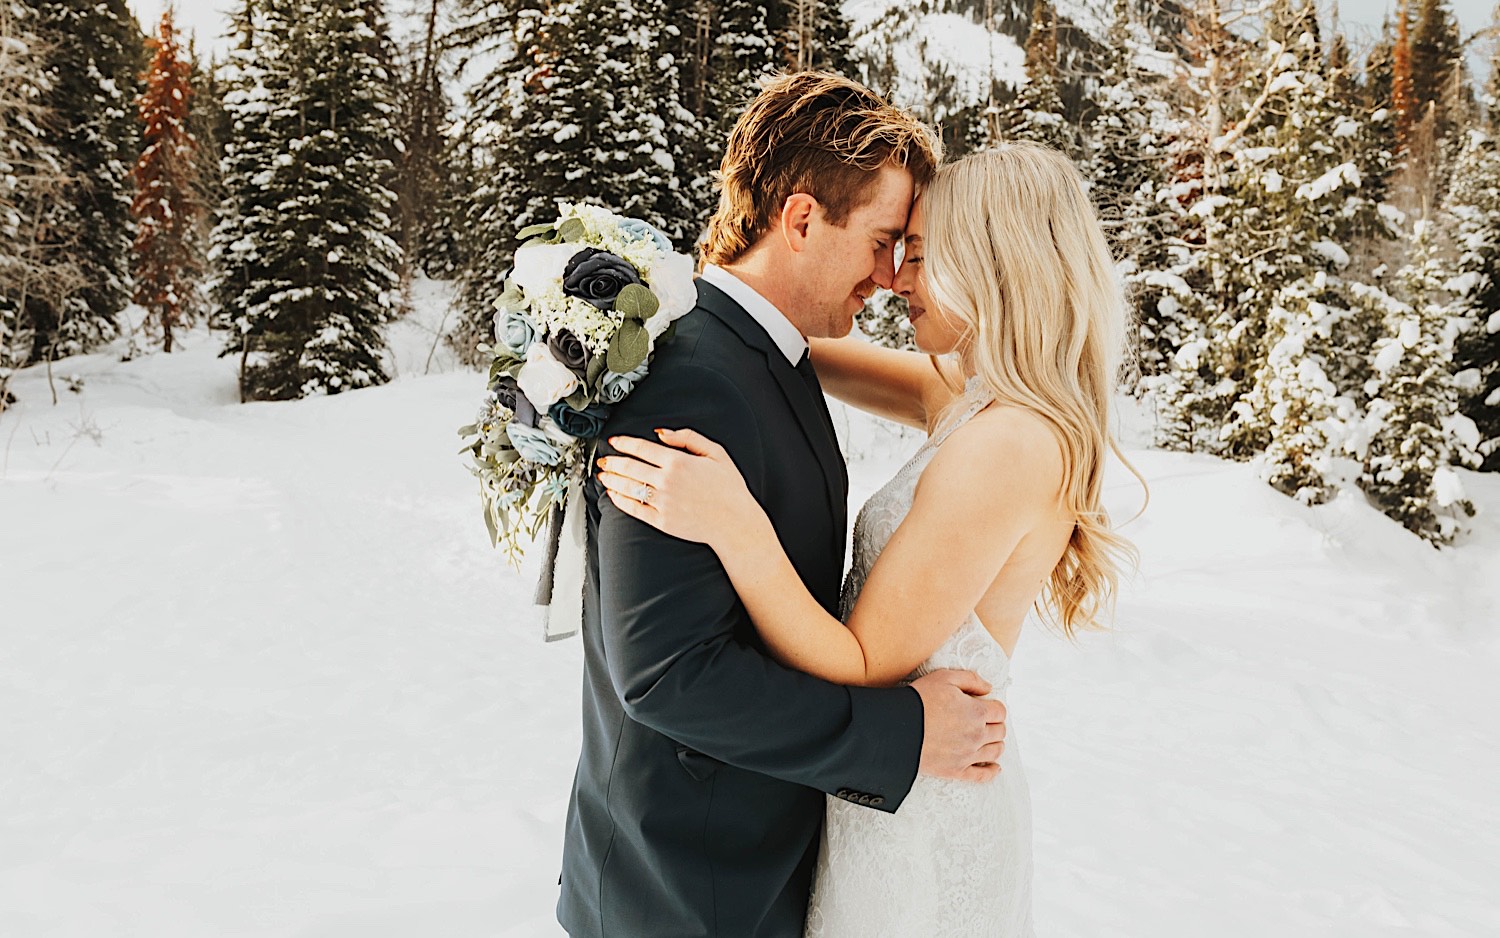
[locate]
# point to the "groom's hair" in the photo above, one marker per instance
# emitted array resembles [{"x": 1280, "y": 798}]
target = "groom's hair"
[{"x": 816, "y": 133}]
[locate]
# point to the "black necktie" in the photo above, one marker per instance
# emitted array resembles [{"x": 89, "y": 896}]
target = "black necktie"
[
  {"x": 810, "y": 376},
  {"x": 805, "y": 369}
]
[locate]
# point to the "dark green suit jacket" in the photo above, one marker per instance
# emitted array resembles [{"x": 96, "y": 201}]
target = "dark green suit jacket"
[{"x": 698, "y": 800}]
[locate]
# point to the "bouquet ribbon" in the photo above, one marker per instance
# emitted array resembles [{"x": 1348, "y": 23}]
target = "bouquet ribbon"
[{"x": 559, "y": 589}]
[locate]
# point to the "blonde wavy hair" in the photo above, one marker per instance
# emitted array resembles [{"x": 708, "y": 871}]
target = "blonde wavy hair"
[{"x": 1015, "y": 253}]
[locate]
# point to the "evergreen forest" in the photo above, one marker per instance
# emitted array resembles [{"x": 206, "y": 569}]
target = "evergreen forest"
[{"x": 1308, "y": 227}]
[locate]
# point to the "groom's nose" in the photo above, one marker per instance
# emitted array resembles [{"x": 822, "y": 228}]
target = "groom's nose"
[
  {"x": 885, "y": 270},
  {"x": 901, "y": 282}
]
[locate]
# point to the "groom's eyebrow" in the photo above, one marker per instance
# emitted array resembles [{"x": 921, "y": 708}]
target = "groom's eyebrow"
[{"x": 893, "y": 233}]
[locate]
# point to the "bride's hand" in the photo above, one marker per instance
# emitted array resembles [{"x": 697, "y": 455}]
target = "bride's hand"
[{"x": 689, "y": 489}]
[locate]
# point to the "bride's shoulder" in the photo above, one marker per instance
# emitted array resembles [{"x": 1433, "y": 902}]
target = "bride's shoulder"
[{"x": 1010, "y": 451}]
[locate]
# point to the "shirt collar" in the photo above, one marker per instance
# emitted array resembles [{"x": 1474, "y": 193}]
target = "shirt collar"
[{"x": 788, "y": 338}]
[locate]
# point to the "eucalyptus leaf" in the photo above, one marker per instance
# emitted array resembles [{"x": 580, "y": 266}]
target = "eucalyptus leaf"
[
  {"x": 512, "y": 300},
  {"x": 594, "y": 371},
  {"x": 629, "y": 348},
  {"x": 468, "y": 430},
  {"x": 489, "y": 523},
  {"x": 637, "y": 302},
  {"x": 578, "y": 400},
  {"x": 571, "y": 230},
  {"x": 532, "y": 231}
]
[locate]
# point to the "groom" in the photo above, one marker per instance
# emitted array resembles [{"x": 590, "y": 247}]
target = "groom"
[{"x": 699, "y": 793}]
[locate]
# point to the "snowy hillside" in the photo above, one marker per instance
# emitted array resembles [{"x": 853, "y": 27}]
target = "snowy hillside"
[
  {"x": 262, "y": 676},
  {"x": 965, "y": 51}
]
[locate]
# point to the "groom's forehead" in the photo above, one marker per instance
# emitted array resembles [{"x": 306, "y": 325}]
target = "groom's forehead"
[
  {"x": 883, "y": 219},
  {"x": 887, "y": 217},
  {"x": 889, "y": 201},
  {"x": 893, "y": 222}
]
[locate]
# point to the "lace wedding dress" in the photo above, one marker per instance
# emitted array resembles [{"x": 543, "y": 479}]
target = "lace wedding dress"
[{"x": 955, "y": 860}]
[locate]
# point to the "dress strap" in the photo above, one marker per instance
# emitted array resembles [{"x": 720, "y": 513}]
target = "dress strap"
[{"x": 976, "y": 397}]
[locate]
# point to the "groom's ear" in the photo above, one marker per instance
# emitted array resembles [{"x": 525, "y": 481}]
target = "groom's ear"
[{"x": 796, "y": 220}]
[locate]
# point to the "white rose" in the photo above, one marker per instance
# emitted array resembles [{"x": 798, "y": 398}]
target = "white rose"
[
  {"x": 539, "y": 267},
  {"x": 672, "y": 282},
  {"x": 543, "y": 379}
]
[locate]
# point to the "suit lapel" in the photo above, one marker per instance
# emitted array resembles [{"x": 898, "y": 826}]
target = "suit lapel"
[{"x": 808, "y": 405}]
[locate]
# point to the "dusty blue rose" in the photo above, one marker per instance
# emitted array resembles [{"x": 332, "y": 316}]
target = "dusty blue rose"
[
  {"x": 614, "y": 388},
  {"x": 515, "y": 332},
  {"x": 584, "y": 424},
  {"x": 645, "y": 231},
  {"x": 533, "y": 444}
]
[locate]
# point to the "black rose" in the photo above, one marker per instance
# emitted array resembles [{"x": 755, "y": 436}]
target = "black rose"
[
  {"x": 506, "y": 391},
  {"x": 566, "y": 348},
  {"x": 598, "y": 277},
  {"x": 584, "y": 424},
  {"x": 509, "y": 393}
]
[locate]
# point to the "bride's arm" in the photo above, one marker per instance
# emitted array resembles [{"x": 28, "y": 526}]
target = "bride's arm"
[
  {"x": 978, "y": 498},
  {"x": 903, "y": 386}
]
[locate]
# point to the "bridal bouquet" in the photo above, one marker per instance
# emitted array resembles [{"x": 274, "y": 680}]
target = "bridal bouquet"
[{"x": 584, "y": 304}]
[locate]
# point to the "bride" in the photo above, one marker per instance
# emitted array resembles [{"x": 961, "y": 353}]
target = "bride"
[{"x": 1008, "y": 277}]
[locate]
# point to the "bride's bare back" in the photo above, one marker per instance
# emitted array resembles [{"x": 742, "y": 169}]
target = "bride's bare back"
[{"x": 1021, "y": 580}]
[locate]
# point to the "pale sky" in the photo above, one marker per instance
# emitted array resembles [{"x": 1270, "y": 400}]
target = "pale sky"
[
  {"x": 208, "y": 19},
  {"x": 1472, "y": 14},
  {"x": 1361, "y": 20}
]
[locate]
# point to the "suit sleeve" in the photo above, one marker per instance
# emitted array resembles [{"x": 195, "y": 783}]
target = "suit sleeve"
[{"x": 669, "y": 615}]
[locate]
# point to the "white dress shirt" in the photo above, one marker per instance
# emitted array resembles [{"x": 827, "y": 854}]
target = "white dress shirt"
[{"x": 787, "y": 337}]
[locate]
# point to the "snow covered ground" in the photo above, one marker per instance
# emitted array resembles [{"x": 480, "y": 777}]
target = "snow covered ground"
[{"x": 261, "y": 675}]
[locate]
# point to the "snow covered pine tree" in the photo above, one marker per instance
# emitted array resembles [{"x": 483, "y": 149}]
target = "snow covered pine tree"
[
  {"x": 1416, "y": 434},
  {"x": 96, "y": 57},
  {"x": 1475, "y": 205},
  {"x": 32, "y": 178},
  {"x": 309, "y": 263}
]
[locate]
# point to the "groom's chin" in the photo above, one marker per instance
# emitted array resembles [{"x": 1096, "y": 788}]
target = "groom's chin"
[{"x": 852, "y": 319}]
